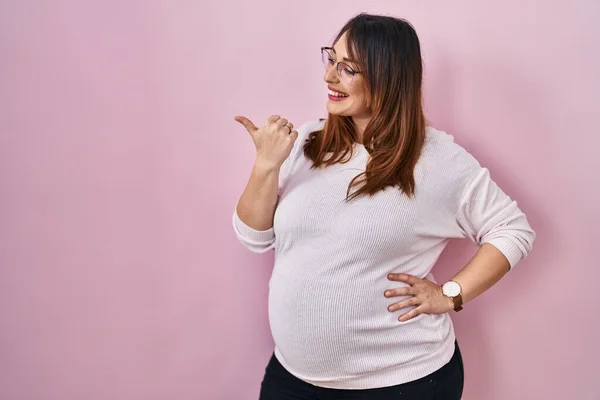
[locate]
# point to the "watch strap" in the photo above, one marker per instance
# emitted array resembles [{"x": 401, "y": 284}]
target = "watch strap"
[{"x": 458, "y": 302}]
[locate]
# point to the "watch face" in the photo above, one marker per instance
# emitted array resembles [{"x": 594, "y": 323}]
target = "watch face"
[{"x": 451, "y": 289}]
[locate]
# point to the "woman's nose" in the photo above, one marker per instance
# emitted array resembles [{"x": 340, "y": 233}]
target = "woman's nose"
[{"x": 331, "y": 75}]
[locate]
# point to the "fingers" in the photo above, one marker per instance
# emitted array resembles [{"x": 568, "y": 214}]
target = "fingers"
[
  {"x": 410, "y": 279},
  {"x": 411, "y": 314},
  {"x": 276, "y": 120},
  {"x": 401, "y": 291},
  {"x": 250, "y": 127},
  {"x": 280, "y": 123},
  {"x": 411, "y": 301},
  {"x": 284, "y": 123},
  {"x": 424, "y": 296}
]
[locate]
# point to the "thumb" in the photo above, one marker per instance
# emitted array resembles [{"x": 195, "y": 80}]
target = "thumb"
[{"x": 250, "y": 127}]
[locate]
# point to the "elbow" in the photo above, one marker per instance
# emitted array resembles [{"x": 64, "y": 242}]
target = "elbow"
[
  {"x": 515, "y": 242},
  {"x": 254, "y": 246},
  {"x": 253, "y": 240}
]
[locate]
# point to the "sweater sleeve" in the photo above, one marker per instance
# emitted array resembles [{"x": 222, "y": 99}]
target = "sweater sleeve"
[
  {"x": 254, "y": 240},
  {"x": 487, "y": 215},
  {"x": 263, "y": 241}
]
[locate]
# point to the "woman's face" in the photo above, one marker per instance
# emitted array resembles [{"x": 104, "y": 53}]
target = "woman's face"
[{"x": 354, "y": 102}]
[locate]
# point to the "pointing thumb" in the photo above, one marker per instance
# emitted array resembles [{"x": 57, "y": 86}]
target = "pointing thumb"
[{"x": 250, "y": 127}]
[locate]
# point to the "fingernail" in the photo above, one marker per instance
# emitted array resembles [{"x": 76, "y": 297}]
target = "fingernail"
[{"x": 387, "y": 293}]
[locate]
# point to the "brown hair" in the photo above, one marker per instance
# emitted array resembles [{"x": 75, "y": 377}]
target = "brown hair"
[{"x": 388, "y": 52}]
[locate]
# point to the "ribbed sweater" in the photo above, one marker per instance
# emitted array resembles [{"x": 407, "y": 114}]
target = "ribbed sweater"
[{"x": 327, "y": 312}]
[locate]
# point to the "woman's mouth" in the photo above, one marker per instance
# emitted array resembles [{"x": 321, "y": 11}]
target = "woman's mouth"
[{"x": 336, "y": 96}]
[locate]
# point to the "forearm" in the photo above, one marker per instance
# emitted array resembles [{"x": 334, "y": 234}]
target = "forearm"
[
  {"x": 484, "y": 270},
  {"x": 257, "y": 203}
]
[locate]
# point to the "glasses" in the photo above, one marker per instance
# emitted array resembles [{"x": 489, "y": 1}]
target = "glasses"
[{"x": 345, "y": 72}]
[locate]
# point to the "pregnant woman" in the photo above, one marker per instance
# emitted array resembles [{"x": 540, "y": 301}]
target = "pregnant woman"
[{"x": 358, "y": 207}]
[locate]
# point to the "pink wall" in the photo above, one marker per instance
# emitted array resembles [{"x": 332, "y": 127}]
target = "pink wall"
[{"x": 120, "y": 164}]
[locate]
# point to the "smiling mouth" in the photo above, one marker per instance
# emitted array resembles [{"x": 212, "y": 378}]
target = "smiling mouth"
[{"x": 337, "y": 94}]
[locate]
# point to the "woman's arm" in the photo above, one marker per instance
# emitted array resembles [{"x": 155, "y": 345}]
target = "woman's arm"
[
  {"x": 257, "y": 203},
  {"x": 482, "y": 272},
  {"x": 491, "y": 219},
  {"x": 277, "y": 145},
  {"x": 254, "y": 211},
  {"x": 253, "y": 215}
]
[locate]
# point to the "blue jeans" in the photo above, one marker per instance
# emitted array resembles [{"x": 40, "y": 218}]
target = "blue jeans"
[{"x": 444, "y": 384}]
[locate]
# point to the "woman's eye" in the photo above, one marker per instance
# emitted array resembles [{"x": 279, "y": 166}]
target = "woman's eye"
[
  {"x": 331, "y": 61},
  {"x": 349, "y": 71}
]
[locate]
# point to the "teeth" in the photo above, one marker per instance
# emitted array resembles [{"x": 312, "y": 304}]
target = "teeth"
[{"x": 337, "y": 94}]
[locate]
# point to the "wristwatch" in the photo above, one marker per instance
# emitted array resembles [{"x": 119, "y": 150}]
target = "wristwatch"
[{"x": 453, "y": 290}]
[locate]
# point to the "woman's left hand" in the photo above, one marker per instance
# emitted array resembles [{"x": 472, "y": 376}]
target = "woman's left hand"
[{"x": 425, "y": 295}]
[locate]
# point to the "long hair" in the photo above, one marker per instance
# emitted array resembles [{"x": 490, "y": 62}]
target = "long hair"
[{"x": 387, "y": 50}]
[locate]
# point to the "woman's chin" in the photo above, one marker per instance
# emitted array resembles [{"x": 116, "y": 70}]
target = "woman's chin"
[{"x": 335, "y": 110}]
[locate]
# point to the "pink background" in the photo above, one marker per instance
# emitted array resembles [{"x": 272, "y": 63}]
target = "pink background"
[{"x": 120, "y": 164}]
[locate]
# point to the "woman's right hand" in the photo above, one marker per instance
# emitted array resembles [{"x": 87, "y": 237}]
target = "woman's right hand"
[{"x": 274, "y": 140}]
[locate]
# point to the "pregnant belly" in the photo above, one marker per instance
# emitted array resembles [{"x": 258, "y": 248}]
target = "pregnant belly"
[{"x": 325, "y": 330}]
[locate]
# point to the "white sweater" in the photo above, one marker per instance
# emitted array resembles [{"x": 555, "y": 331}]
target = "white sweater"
[{"x": 327, "y": 312}]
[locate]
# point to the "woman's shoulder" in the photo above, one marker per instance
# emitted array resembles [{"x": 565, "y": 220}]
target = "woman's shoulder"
[
  {"x": 439, "y": 140},
  {"x": 303, "y": 131},
  {"x": 442, "y": 150},
  {"x": 445, "y": 168},
  {"x": 310, "y": 126}
]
